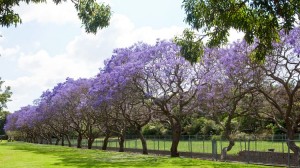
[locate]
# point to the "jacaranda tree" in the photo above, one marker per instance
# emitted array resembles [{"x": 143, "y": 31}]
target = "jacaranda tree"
[
  {"x": 161, "y": 77},
  {"x": 278, "y": 80},
  {"x": 228, "y": 80}
]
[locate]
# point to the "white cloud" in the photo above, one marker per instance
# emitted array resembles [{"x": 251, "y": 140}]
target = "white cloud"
[
  {"x": 235, "y": 35},
  {"x": 48, "y": 12},
  {"x": 48, "y": 69},
  {"x": 9, "y": 52},
  {"x": 45, "y": 72},
  {"x": 121, "y": 33},
  {"x": 82, "y": 58}
]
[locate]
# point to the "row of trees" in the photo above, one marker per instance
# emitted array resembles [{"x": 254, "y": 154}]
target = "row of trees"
[{"x": 153, "y": 83}]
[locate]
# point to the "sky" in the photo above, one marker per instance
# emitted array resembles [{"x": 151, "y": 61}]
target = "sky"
[{"x": 51, "y": 43}]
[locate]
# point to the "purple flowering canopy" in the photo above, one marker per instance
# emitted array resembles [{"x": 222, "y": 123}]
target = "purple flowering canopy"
[{"x": 154, "y": 70}]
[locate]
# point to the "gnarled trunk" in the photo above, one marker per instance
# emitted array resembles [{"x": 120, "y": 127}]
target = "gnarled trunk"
[
  {"x": 105, "y": 142},
  {"x": 121, "y": 142},
  {"x": 62, "y": 140},
  {"x": 79, "y": 140},
  {"x": 57, "y": 141},
  {"x": 226, "y": 149},
  {"x": 69, "y": 141},
  {"x": 49, "y": 139},
  {"x": 176, "y": 133},
  {"x": 292, "y": 144},
  {"x": 90, "y": 142},
  {"x": 144, "y": 143},
  {"x": 227, "y": 135},
  {"x": 41, "y": 140}
]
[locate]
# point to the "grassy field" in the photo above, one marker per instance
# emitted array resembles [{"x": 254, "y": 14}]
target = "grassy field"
[{"x": 24, "y": 155}]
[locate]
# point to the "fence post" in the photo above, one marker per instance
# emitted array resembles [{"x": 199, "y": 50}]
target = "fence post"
[
  {"x": 153, "y": 142},
  {"x": 125, "y": 141},
  {"x": 197, "y": 139},
  {"x": 248, "y": 158},
  {"x": 282, "y": 144},
  {"x": 288, "y": 142},
  {"x": 203, "y": 144},
  {"x": 221, "y": 145},
  {"x": 100, "y": 144},
  {"x": 245, "y": 143},
  {"x": 129, "y": 141},
  {"x": 214, "y": 149},
  {"x": 241, "y": 147},
  {"x": 255, "y": 143},
  {"x": 158, "y": 143},
  {"x": 191, "y": 146},
  {"x": 164, "y": 142},
  {"x": 136, "y": 142}
]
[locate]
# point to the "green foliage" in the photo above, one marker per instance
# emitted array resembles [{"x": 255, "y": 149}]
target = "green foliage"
[
  {"x": 275, "y": 129},
  {"x": 257, "y": 19},
  {"x": 5, "y": 95},
  {"x": 194, "y": 127},
  {"x": 8, "y": 16},
  {"x": 93, "y": 15},
  {"x": 211, "y": 128},
  {"x": 202, "y": 126},
  {"x": 3, "y": 115},
  {"x": 248, "y": 124},
  {"x": 154, "y": 129},
  {"x": 191, "y": 47}
]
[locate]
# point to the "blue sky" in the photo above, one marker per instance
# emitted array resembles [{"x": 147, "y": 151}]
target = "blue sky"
[{"x": 51, "y": 45}]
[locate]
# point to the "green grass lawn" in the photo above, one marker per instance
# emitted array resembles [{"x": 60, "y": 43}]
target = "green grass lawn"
[{"x": 24, "y": 155}]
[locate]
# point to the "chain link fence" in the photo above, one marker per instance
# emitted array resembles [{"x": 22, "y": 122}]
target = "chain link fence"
[{"x": 267, "y": 150}]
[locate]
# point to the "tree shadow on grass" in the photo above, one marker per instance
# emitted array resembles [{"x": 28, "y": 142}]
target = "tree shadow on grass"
[{"x": 85, "y": 158}]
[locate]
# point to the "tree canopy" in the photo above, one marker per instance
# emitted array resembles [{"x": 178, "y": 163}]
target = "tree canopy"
[
  {"x": 4, "y": 95},
  {"x": 261, "y": 20},
  {"x": 4, "y": 98},
  {"x": 93, "y": 15}
]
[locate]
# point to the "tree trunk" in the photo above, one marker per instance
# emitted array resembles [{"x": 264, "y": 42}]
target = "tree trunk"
[
  {"x": 226, "y": 149},
  {"x": 144, "y": 143},
  {"x": 57, "y": 141},
  {"x": 36, "y": 140},
  {"x": 69, "y": 141},
  {"x": 79, "y": 141},
  {"x": 105, "y": 142},
  {"x": 292, "y": 144},
  {"x": 41, "y": 140},
  {"x": 176, "y": 133},
  {"x": 50, "y": 140},
  {"x": 227, "y": 135},
  {"x": 62, "y": 140},
  {"x": 90, "y": 142},
  {"x": 121, "y": 143}
]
